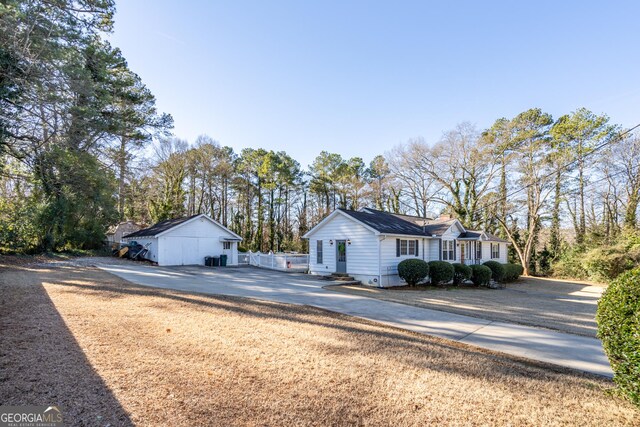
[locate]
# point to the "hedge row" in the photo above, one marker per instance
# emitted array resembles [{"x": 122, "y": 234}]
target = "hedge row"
[{"x": 414, "y": 271}]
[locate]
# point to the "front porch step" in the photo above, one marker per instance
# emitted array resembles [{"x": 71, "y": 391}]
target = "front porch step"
[
  {"x": 343, "y": 278},
  {"x": 340, "y": 275}
]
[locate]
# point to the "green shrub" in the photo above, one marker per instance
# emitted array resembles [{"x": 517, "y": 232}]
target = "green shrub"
[
  {"x": 602, "y": 261},
  {"x": 608, "y": 262},
  {"x": 497, "y": 270},
  {"x": 512, "y": 272},
  {"x": 618, "y": 320},
  {"x": 569, "y": 266},
  {"x": 413, "y": 271},
  {"x": 461, "y": 273},
  {"x": 440, "y": 272},
  {"x": 480, "y": 275}
]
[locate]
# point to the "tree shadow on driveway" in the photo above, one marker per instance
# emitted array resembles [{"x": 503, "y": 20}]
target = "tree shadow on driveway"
[
  {"x": 495, "y": 364},
  {"x": 564, "y": 307}
]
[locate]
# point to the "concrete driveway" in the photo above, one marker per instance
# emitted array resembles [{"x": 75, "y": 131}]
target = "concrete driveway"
[
  {"x": 560, "y": 305},
  {"x": 578, "y": 352}
]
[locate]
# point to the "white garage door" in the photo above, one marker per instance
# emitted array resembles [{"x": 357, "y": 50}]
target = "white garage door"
[{"x": 189, "y": 250}]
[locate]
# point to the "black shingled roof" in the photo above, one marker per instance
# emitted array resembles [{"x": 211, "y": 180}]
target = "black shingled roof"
[
  {"x": 160, "y": 227},
  {"x": 495, "y": 238},
  {"x": 473, "y": 234},
  {"x": 388, "y": 223},
  {"x": 469, "y": 234}
]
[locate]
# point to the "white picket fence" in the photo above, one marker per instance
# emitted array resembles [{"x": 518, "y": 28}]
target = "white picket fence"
[{"x": 276, "y": 261}]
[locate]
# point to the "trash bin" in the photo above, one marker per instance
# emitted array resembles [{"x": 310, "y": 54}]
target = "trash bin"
[
  {"x": 223, "y": 260},
  {"x": 216, "y": 261},
  {"x": 208, "y": 261}
]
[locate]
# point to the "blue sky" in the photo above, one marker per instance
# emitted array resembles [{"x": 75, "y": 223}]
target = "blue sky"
[{"x": 358, "y": 77}]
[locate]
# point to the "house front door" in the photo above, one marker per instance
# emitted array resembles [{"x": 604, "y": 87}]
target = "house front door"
[{"x": 341, "y": 256}]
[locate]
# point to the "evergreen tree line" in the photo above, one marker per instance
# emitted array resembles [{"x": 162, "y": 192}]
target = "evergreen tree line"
[
  {"x": 564, "y": 192},
  {"x": 76, "y": 132},
  {"x": 69, "y": 108}
]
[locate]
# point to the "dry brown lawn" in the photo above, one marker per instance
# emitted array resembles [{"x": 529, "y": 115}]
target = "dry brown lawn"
[
  {"x": 112, "y": 353},
  {"x": 562, "y": 305}
]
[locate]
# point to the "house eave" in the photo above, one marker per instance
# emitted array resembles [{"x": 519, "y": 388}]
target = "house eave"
[{"x": 417, "y": 236}]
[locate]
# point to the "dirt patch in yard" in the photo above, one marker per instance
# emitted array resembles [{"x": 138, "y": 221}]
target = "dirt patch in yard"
[
  {"x": 112, "y": 353},
  {"x": 554, "y": 304}
]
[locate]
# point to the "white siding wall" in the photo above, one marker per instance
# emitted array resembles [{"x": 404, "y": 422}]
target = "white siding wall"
[
  {"x": 362, "y": 253},
  {"x": 486, "y": 252},
  {"x": 503, "y": 252},
  {"x": 190, "y": 243},
  {"x": 434, "y": 250},
  {"x": 390, "y": 261}
]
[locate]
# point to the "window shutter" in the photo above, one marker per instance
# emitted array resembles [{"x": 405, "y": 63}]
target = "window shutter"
[
  {"x": 417, "y": 250},
  {"x": 498, "y": 245},
  {"x": 397, "y": 247},
  {"x": 440, "y": 249},
  {"x": 479, "y": 249},
  {"x": 455, "y": 249}
]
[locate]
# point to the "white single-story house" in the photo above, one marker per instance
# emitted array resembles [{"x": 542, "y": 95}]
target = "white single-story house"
[
  {"x": 187, "y": 241},
  {"x": 368, "y": 244}
]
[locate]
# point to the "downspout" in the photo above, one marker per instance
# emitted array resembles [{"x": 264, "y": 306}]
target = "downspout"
[{"x": 380, "y": 240}]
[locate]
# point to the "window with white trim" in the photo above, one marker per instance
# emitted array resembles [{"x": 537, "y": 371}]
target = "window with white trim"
[
  {"x": 411, "y": 250},
  {"x": 448, "y": 248},
  {"x": 495, "y": 250},
  {"x": 319, "y": 252},
  {"x": 478, "y": 250},
  {"x": 226, "y": 245},
  {"x": 406, "y": 247}
]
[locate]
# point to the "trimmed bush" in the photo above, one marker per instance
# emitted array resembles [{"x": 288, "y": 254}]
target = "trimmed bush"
[
  {"x": 618, "y": 318},
  {"x": 512, "y": 272},
  {"x": 480, "y": 275},
  {"x": 497, "y": 270},
  {"x": 413, "y": 271},
  {"x": 440, "y": 272},
  {"x": 461, "y": 273}
]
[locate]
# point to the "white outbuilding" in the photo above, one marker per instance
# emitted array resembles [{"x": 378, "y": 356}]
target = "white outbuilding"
[{"x": 187, "y": 241}]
